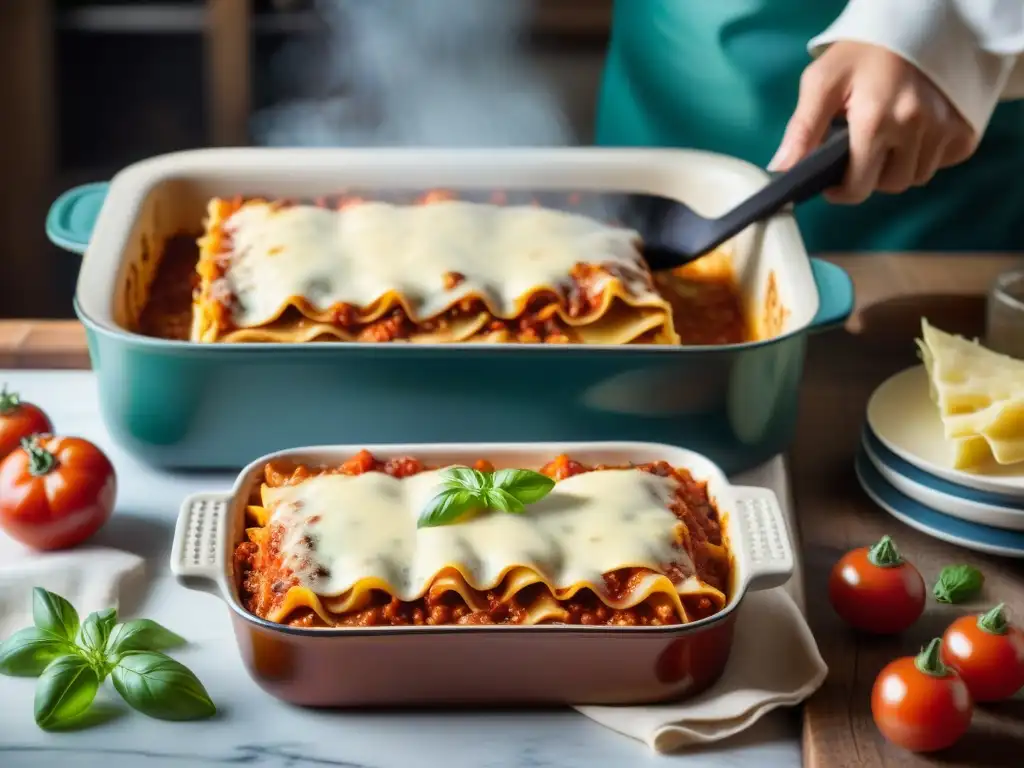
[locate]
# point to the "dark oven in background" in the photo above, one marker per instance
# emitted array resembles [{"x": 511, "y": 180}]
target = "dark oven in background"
[{"x": 100, "y": 84}]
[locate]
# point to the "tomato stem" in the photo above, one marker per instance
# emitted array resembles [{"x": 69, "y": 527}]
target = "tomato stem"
[
  {"x": 41, "y": 461},
  {"x": 9, "y": 401},
  {"x": 929, "y": 660},
  {"x": 885, "y": 554},
  {"x": 994, "y": 622}
]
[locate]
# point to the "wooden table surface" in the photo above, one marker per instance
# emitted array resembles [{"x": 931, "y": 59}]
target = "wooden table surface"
[{"x": 843, "y": 367}]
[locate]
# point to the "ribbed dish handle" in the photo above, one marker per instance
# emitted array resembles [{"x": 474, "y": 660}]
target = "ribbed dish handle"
[
  {"x": 197, "y": 553},
  {"x": 768, "y": 550}
]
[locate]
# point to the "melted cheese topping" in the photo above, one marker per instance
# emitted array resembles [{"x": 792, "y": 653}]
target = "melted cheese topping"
[
  {"x": 980, "y": 397},
  {"x": 340, "y": 530},
  {"x": 361, "y": 253}
]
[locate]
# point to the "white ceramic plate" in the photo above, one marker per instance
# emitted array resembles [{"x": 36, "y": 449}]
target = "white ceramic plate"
[
  {"x": 948, "y": 498},
  {"x": 982, "y": 538},
  {"x": 906, "y": 421}
]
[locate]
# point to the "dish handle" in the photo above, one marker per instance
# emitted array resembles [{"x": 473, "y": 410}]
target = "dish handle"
[
  {"x": 72, "y": 217},
  {"x": 835, "y": 295},
  {"x": 197, "y": 552},
  {"x": 767, "y": 549}
]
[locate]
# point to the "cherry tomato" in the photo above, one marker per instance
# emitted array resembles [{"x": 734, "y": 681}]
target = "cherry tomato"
[
  {"x": 55, "y": 492},
  {"x": 987, "y": 651},
  {"x": 19, "y": 420},
  {"x": 875, "y": 590},
  {"x": 919, "y": 703}
]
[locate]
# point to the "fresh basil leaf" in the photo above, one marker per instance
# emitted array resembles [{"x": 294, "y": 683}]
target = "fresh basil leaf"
[
  {"x": 447, "y": 505},
  {"x": 93, "y": 634},
  {"x": 958, "y": 583},
  {"x": 52, "y": 613},
  {"x": 161, "y": 687},
  {"x": 27, "y": 652},
  {"x": 502, "y": 500},
  {"x": 524, "y": 484},
  {"x": 141, "y": 635},
  {"x": 65, "y": 690},
  {"x": 464, "y": 478}
]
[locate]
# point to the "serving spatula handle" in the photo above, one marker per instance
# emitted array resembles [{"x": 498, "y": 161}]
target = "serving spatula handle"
[
  {"x": 821, "y": 169},
  {"x": 824, "y": 168}
]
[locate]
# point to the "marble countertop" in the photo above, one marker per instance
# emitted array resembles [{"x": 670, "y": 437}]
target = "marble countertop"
[{"x": 254, "y": 729}]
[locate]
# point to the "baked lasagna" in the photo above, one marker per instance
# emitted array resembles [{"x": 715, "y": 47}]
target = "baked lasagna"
[
  {"x": 442, "y": 270},
  {"x": 636, "y": 545}
]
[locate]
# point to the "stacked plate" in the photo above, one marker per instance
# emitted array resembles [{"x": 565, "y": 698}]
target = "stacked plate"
[{"x": 903, "y": 466}]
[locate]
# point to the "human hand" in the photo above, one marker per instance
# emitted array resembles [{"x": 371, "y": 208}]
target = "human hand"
[{"x": 902, "y": 128}]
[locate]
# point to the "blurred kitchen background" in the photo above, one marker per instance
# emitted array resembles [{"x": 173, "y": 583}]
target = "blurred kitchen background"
[{"x": 89, "y": 86}]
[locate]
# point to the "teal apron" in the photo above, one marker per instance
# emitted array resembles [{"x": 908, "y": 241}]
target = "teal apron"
[{"x": 723, "y": 76}]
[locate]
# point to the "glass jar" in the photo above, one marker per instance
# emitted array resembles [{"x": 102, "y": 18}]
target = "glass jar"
[{"x": 1004, "y": 322}]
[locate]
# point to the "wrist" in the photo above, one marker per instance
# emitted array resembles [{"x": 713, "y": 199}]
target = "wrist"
[{"x": 936, "y": 41}]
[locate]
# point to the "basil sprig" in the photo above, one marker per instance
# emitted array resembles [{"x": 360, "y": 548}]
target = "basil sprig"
[
  {"x": 73, "y": 658},
  {"x": 463, "y": 491},
  {"x": 958, "y": 583}
]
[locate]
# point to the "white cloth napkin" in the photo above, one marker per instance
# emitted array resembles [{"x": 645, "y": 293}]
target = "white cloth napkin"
[
  {"x": 92, "y": 578},
  {"x": 774, "y": 662}
]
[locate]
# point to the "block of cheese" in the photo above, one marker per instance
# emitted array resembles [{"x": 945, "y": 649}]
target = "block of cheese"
[{"x": 980, "y": 397}]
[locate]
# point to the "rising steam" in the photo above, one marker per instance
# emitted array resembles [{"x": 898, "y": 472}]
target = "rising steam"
[{"x": 447, "y": 73}]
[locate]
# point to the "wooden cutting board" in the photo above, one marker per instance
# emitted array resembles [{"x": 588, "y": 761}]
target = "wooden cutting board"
[{"x": 893, "y": 292}]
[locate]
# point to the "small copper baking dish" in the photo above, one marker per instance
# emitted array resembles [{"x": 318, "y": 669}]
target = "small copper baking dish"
[{"x": 486, "y": 664}]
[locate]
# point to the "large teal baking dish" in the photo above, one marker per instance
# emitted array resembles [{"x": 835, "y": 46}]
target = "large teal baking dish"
[{"x": 184, "y": 405}]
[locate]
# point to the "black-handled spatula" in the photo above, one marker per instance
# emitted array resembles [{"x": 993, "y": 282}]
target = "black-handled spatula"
[{"x": 674, "y": 234}]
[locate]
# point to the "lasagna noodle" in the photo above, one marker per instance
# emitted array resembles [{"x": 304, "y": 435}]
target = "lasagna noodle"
[
  {"x": 270, "y": 271},
  {"x": 342, "y": 541}
]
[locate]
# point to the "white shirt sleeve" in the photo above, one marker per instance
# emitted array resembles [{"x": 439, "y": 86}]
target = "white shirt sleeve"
[{"x": 970, "y": 49}]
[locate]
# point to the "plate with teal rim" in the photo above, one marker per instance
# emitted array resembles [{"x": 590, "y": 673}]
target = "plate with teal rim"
[
  {"x": 994, "y": 509},
  {"x": 981, "y": 538},
  {"x": 903, "y": 417}
]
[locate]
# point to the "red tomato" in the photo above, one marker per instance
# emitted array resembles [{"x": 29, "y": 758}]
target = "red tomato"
[
  {"x": 55, "y": 492},
  {"x": 988, "y": 653},
  {"x": 919, "y": 703},
  {"x": 876, "y": 590},
  {"x": 19, "y": 420}
]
